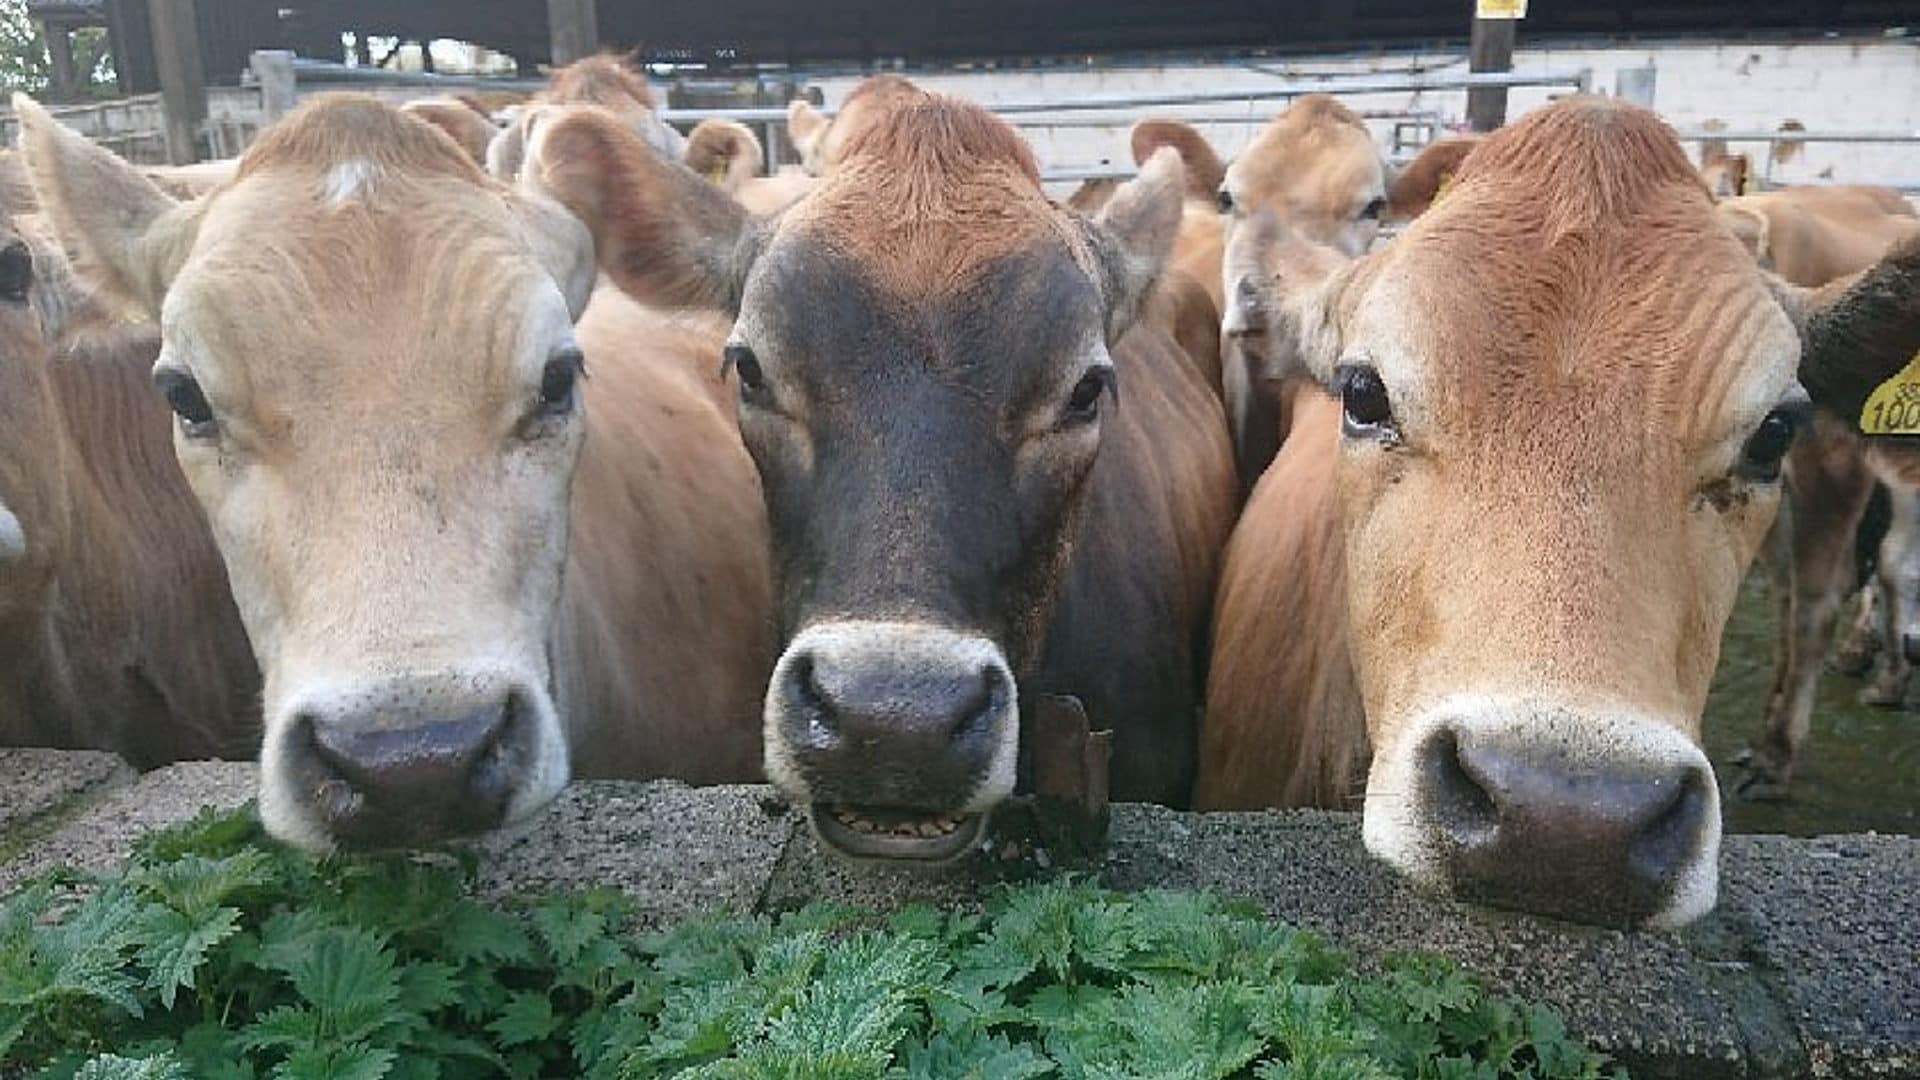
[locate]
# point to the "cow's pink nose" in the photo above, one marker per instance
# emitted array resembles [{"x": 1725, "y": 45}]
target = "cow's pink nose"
[
  {"x": 1604, "y": 838},
  {"x": 399, "y": 775}
]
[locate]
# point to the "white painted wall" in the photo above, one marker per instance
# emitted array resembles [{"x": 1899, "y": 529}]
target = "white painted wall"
[{"x": 1837, "y": 85}]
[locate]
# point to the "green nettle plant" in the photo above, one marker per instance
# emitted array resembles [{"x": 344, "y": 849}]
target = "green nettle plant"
[{"x": 216, "y": 954}]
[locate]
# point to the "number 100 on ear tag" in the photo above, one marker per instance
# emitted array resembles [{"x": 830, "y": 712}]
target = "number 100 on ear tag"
[{"x": 1894, "y": 408}]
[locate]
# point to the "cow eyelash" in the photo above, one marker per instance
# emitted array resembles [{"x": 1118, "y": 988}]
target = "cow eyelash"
[{"x": 188, "y": 402}]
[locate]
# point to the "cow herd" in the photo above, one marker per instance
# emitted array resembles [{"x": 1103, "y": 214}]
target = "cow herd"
[{"x": 572, "y": 447}]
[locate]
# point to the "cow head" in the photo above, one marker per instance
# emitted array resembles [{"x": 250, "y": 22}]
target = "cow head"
[
  {"x": 34, "y": 512},
  {"x": 369, "y": 350},
  {"x": 1315, "y": 168},
  {"x": 922, "y": 352},
  {"x": 1567, "y": 392}
]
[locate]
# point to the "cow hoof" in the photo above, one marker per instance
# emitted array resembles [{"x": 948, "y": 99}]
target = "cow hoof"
[
  {"x": 1880, "y": 696},
  {"x": 1759, "y": 781}
]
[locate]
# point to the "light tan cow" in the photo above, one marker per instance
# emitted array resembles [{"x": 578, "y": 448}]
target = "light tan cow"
[
  {"x": 1564, "y": 397},
  {"x": 1811, "y": 236},
  {"x": 605, "y": 81},
  {"x": 474, "y": 550},
  {"x": 461, "y": 118},
  {"x": 117, "y": 631},
  {"x": 728, "y": 154},
  {"x": 820, "y": 138},
  {"x": 1315, "y": 169}
]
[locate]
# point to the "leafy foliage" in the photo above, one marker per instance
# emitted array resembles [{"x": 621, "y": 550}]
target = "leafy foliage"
[
  {"x": 216, "y": 954},
  {"x": 25, "y": 64}
]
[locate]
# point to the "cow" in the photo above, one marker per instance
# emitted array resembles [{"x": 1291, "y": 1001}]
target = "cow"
[
  {"x": 987, "y": 481},
  {"x": 474, "y": 550},
  {"x": 1490, "y": 572},
  {"x": 603, "y": 80},
  {"x": 461, "y": 118},
  {"x": 117, "y": 630},
  {"x": 728, "y": 154},
  {"x": 1315, "y": 168},
  {"x": 1419, "y": 182},
  {"x": 819, "y": 137},
  {"x": 1811, "y": 236}
]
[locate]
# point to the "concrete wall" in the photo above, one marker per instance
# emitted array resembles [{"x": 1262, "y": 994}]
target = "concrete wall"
[
  {"x": 1807, "y": 969},
  {"x": 1870, "y": 84}
]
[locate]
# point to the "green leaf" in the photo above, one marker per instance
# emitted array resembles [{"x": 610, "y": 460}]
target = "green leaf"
[
  {"x": 174, "y": 946},
  {"x": 114, "y": 1067},
  {"x": 527, "y": 1018}
]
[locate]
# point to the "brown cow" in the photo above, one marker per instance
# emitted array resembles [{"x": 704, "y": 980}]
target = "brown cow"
[
  {"x": 1811, "y": 236},
  {"x": 819, "y": 138},
  {"x": 929, "y": 353},
  {"x": 728, "y": 154},
  {"x": 1314, "y": 168},
  {"x": 1565, "y": 394},
  {"x": 1419, "y": 182},
  {"x": 603, "y": 80},
  {"x": 117, "y": 631},
  {"x": 369, "y": 347},
  {"x": 461, "y": 119}
]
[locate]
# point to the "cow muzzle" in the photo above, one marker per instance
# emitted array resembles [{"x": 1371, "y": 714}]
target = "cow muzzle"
[
  {"x": 900, "y": 737},
  {"x": 1611, "y": 820},
  {"x": 13, "y": 538},
  {"x": 410, "y": 764}
]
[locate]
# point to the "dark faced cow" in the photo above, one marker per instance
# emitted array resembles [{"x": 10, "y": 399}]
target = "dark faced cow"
[{"x": 986, "y": 479}]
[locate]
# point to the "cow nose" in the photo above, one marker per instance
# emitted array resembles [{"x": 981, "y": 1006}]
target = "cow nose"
[
  {"x": 904, "y": 727},
  {"x": 1597, "y": 841},
  {"x": 407, "y": 774}
]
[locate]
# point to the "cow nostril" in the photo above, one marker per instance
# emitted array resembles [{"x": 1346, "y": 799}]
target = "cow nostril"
[
  {"x": 974, "y": 719},
  {"x": 811, "y": 698},
  {"x": 1910, "y": 647},
  {"x": 1460, "y": 801},
  {"x": 1671, "y": 827}
]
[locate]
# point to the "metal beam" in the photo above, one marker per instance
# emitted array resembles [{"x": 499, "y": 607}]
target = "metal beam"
[
  {"x": 574, "y": 26},
  {"x": 60, "y": 50},
  {"x": 1490, "y": 51},
  {"x": 183, "y": 82}
]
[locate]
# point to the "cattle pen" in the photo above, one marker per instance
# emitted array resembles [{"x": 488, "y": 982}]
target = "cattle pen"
[{"x": 1249, "y": 539}]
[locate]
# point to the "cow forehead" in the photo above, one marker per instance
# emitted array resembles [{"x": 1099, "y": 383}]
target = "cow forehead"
[
  {"x": 997, "y": 325},
  {"x": 442, "y": 276},
  {"x": 1661, "y": 322}
]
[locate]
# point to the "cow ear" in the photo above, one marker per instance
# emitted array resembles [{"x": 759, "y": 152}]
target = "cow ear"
[
  {"x": 1859, "y": 332},
  {"x": 1287, "y": 288},
  {"x": 664, "y": 235},
  {"x": 126, "y": 237},
  {"x": 725, "y": 152},
  {"x": 507, "y": 147},
  {"x": 1415, "y": 186},
  {"x": 1133, "y": 234},
  {"x": 1204, "y": 170},
  {"x": 807, "y": 130},
  {"x": 1749, "y": 226}
]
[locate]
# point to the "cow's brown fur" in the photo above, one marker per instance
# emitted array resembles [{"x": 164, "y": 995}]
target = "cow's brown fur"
[
  {"x": 463, "y": 123},
  {"x": 1205, "y": 171},
  {"x": 116, "y": 628},
  {"x": 728, "y": 154}
]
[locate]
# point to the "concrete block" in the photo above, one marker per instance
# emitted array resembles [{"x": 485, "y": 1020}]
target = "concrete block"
[
  {"x": 102, "y": 835},
  {"x": 35, "y": 783}
]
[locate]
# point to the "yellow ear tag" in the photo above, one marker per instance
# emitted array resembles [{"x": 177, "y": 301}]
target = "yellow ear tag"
[
  {"x": 1894, "y": 407},
  {"x": 1446, "y": 181},
  {"x": 718, "y": 174}
]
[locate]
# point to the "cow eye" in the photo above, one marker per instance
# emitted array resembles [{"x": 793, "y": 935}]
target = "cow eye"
[
  {"x": 16, "y": 272},
  {"x": 1768, "y": 445},
  {"x": 1366, "y": 411},
  {"x": 560, "y": 379},
  {"x": 185, "y": 398},
  {"x": 742, "y": 361},
  {"x": 1083, "y": 404},
  {"x": 1225, "y": 201},
  {"x": 1373, "y": 210}
]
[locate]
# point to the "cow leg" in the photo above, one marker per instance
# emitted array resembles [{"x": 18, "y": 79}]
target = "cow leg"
[
  {"x": 1860, "y": 649},
  {"x": 1897, "y": 577},
  {"x": 1828, "y": 486}
]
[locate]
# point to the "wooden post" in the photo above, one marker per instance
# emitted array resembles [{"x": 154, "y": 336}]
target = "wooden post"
[
  {"x": 575, "y": 30},
  {"x": 273, "y": 68},
  {"x": 183, "y": 82},
  {"x": 65, "y": 84},
  {"x": 1490, "y": 51}
]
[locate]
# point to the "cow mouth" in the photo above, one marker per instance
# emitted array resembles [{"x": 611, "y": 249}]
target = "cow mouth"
[{"x": 895, "y": 834}]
